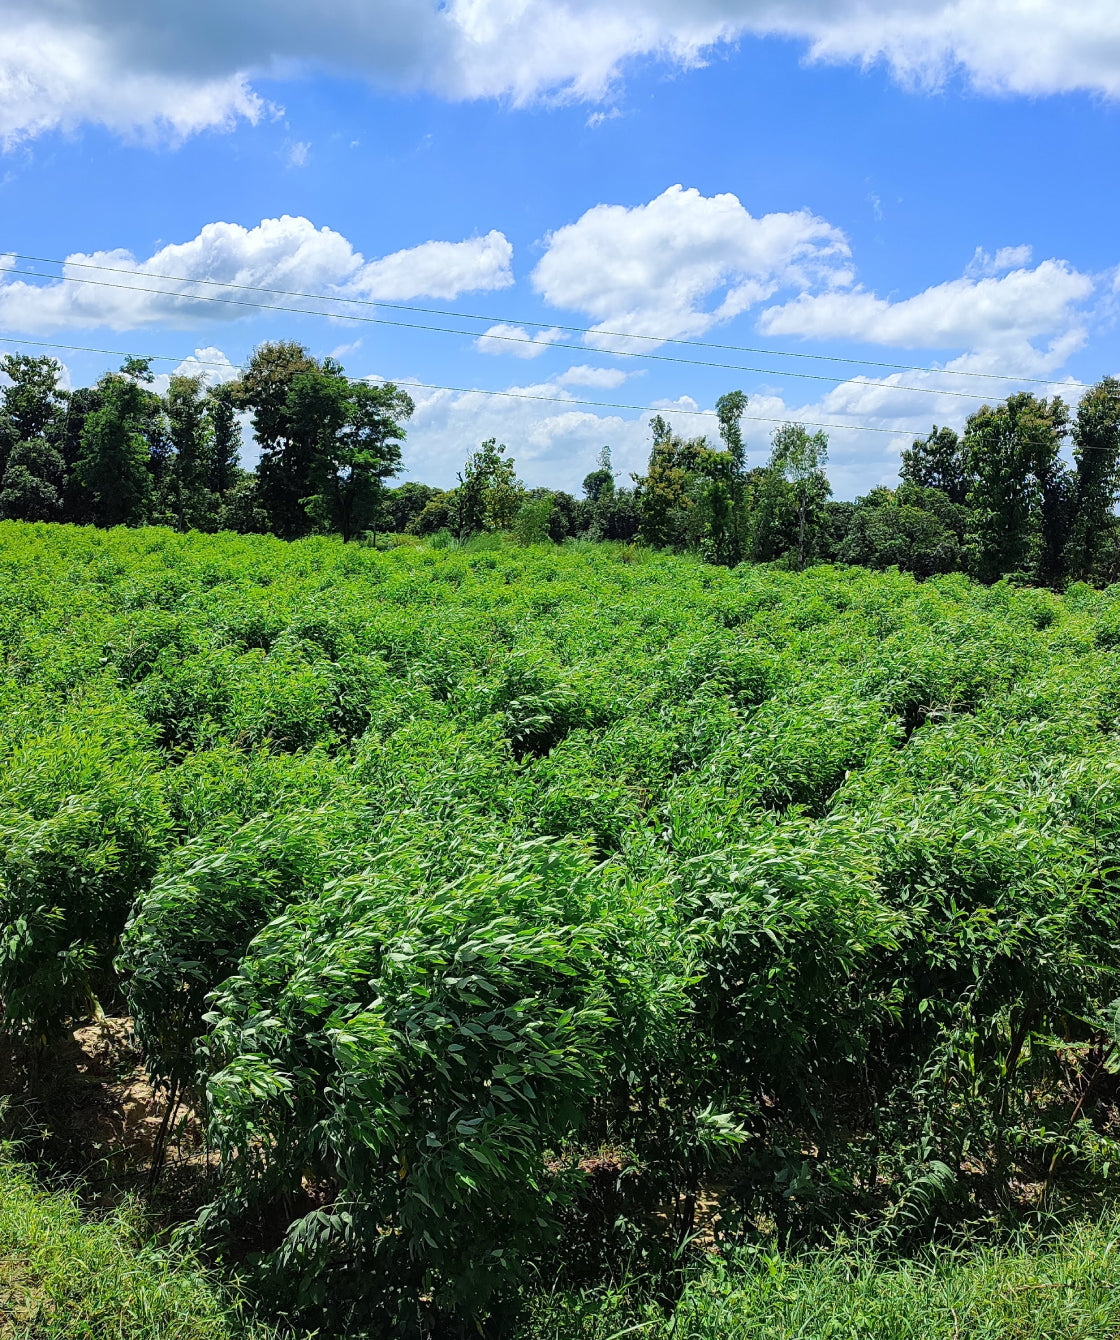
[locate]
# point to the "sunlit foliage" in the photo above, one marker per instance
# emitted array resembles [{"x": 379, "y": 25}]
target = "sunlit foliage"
[{"x": 438, "y": 878}]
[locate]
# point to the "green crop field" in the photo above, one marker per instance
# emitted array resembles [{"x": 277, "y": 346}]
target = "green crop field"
[{"x": 520, "y": 923}]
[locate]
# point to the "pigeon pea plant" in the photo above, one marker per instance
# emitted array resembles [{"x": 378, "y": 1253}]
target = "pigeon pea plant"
[{"x": 485, "y": 900}]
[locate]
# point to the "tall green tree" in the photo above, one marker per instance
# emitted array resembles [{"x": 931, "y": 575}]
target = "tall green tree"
[
  {"x": 1020, "y": 491},
  {"x": 1096, "y": 450},
  {"x": 32, "y": 482},
  {"x": 225, "y": 439},
  {"x": 693, "y": 496},
  {"x": 937, "y": 461},
  {"x": 32, "y": 404},
  {"x": 1057, "y": 489},
  {"x": 188, "y": 491},
  {"x": 205, "y": 436},
  {"x": 32, "y": 416},
  {"x": 799, "y": 457},
  {"x": 490, "y": 494},
  {"x": 80, "y": 404},
  {"x": 285, "y": 427},
  {"x": 673, "y": 488},
  {"x": 730, "y": 409},
  {"x": 731, "y": 540},
  {"x": 357, "y": 455},
  {"x": 773, "y": 515},
  {"x": 113, "y": 466},
  {"x": 605, "y": 512},
  {"x": 599, "y": 484}
]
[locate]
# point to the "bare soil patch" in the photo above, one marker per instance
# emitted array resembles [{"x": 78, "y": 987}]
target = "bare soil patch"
[{"x": 84, "y": 1108}]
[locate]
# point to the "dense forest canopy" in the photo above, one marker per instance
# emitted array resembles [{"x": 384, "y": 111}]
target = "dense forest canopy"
[{"x": 999, "y": 499}]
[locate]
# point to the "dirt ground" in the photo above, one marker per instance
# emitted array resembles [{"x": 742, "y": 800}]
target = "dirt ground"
[{"x": 95, "y": 1116}]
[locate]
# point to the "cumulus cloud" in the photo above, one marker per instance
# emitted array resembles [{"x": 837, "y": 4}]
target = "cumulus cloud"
[
  {"x": 553, "y": 443},
  {"x": 1003, "y": 321},
  {"x": 999, "y": 317},
  {"x": 683, "y": 262},
  {"x": 506, "y": 339},
  {"x": 210, "y": 364},
  {"x": 584, "y": 375},
  {"x": 1000, "y": 46},
  {"x": 178, "y": 68},
  {"x": 871, "y": 419},
  {"x": 439, "y": 270},
  {"x": 285, "y": 253},
  {"x": 57, "y": 72}
]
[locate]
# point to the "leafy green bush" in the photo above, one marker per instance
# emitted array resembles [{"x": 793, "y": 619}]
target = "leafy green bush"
[
  {"x": 464, "y": 883},
  {"x": 422, "y": 1049},
  {"x": 82, "y": 823},
  {"x": 189, "y": 931}
]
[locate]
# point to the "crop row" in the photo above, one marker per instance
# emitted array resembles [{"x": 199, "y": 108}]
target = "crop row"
[{"x": 495, "y": 907}]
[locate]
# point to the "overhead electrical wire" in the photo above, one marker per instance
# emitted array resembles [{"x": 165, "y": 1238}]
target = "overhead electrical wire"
[
  {"x": 522, "y": 321},
  {"x": 459, "y": 390},
  {"x": 516, "y": 339},
  {"x": 506, "y": 339}
]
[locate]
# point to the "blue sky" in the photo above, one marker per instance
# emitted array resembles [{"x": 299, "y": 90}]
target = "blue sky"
[{"x": 928, "y": 185}]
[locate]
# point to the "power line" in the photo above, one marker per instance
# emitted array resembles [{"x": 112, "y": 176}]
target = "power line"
[
  {"x": 507, "y": 339},
  {"x": 524, "y": 321},
  {"x": 522, "y": 339},
  {"x": 459, "y": 390}
]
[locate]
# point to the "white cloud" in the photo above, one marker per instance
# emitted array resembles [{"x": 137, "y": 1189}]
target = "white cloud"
[
  {"x": 579, "y": 46},
  {"x": 516, "y": 340},
  {"x": 439, "y": 269},
  {"x": 1011, "y": 319},
  {"x": 298, "y": 154},
  {"x": 289, "y": 252},
  {"x": 554, "y": 444},
  {"x": 57, "y": 72},
  {"x": 998, "y": 316},
  {"x": 583, "y": 375},
  {"x": 1000, "y": 46},
  {"x": 341, "y": 350},
  {"x": 682, "y": 262},
  {"x": 176, "y": 68},
  {"x": 871, "y": 420},
  {"x": 210, "y": 364},
  {"x": 1005, "y": 258}
]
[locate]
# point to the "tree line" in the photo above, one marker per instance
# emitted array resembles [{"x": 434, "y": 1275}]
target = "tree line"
[
  {"x": 117, "y": 453},
  {"x": 998, "y": 499}
]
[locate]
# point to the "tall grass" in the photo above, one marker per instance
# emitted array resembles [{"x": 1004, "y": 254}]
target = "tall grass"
[
  {"x": 1068, "y": 1287},
  {"x": 64, "y": 1276}
]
